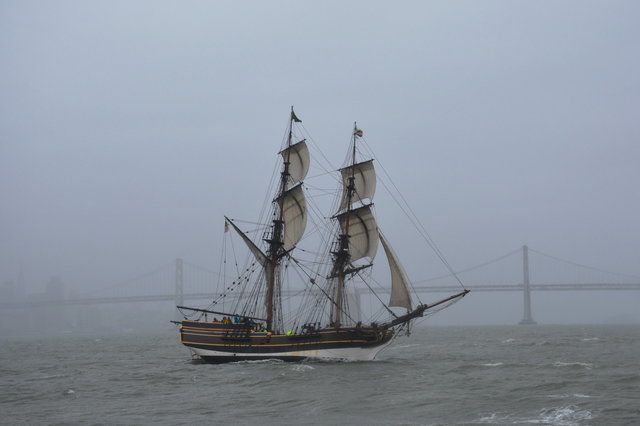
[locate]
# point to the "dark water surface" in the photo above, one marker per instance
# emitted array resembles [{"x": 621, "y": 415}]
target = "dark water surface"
[{"x": 556, "y": 375}]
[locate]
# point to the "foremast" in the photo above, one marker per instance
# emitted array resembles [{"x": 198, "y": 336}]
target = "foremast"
[
  {"x": 290, "y": 216},
  {"x": 275, "y": 251},
  {"x": 288, "y": 222}
]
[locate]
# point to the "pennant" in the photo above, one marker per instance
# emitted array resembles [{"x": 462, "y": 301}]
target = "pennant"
[
  {"x": 294, "y": 117},
  {"x": 226, "y": 227},
  {"x": 358, "y": 133}
]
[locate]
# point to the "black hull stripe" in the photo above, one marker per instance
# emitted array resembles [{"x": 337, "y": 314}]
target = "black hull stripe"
[{"x": 265, "y": 349}]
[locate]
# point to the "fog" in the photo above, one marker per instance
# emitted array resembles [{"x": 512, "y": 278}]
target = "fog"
[{"x": 128, "y": 129}]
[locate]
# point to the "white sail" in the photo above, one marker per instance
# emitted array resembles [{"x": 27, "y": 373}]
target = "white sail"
[
  {"x": 294, "y": 216},
  {"x": 361, "y": 226},
  {"x": 400, "y": 295},
  {"x": 364, "y": 182},
  {"x": 298, "y": 157},
  {"x": 259, "y": 255}
]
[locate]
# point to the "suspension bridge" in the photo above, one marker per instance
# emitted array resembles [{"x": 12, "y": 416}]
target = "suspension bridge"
[{"x": 523, "y": 270}]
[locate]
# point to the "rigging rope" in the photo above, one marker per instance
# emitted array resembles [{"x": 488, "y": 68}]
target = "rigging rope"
[
  {"x": 376, "y": 295},
  {"x": 415, "y": 220}
]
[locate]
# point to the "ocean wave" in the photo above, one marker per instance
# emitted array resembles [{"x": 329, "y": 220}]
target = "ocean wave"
[
  {"x": 493, "y": 364},
  {"x": 569, "y": 415},
  {"x": 50, "y": 377},
  {"x": 261, "y": 361},
  {"x": 627, "y": 378},
  {"x": 302, "y": 367},
  {"x": 566, "y": 395},
  {"x": 586, "y": 365},
  {"x": 491, "y": 418}
]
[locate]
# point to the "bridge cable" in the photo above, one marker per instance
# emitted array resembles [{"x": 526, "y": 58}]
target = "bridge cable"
[
  {"x": 583, "y": 266},
  {"x": 471, "y": 268}
]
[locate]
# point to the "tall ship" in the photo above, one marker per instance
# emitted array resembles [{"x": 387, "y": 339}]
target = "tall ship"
[{"x": 308, "y": 289}]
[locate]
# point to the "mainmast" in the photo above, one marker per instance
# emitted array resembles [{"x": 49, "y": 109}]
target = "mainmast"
[{"x": 342, "y": 255}]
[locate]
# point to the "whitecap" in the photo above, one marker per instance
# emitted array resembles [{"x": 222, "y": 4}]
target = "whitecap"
[
  {"x": 489, "y": 419},
  {"x": 302, "y": 367},
  {"x": 569, "y": 415},
  {"x": 510, "y": 340},
  {"x": 494, "y": 364},
  {"x": 566, "y": 395},
  {"x": 563, "y": 416},
  {"x": 586, "y": 365}
]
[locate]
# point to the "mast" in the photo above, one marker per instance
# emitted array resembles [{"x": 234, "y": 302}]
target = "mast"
[
  {"x": 342, "y": 255},
  {"x": 290, "y": 215}
]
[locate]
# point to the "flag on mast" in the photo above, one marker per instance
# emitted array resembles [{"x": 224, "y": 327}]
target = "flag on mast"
[{"x": 358, "y": 133}]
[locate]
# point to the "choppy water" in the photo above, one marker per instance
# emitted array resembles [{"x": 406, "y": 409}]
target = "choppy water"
[{"x": 557, "y": 375}]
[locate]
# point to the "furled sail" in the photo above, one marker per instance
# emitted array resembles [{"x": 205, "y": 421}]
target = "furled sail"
[
  {"x": 298, "y": 157},
  {"x": 364, "y": 182},
  {"x": 361, "y": 226},
  {"x": 294, "y": 216},
  {"x": 259, "y": 255},
  {"x": 400, "y": 295}
]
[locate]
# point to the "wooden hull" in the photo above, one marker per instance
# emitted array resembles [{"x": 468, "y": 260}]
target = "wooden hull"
[{"x": 218, "y": 342}]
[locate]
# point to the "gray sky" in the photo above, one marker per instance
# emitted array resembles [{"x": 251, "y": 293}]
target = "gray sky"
[{"x": 128, "y": 129}]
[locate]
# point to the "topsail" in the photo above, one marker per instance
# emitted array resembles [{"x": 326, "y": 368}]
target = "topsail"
[
  {"x": 294, "y": 216},
  {"x": 364, "y": 182},
  {"x": 297, "y": 155}
]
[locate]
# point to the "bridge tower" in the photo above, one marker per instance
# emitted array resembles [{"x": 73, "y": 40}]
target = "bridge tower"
[
  {"x": 527, "y": 320},
  {"x": 179, "y": 284}
]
